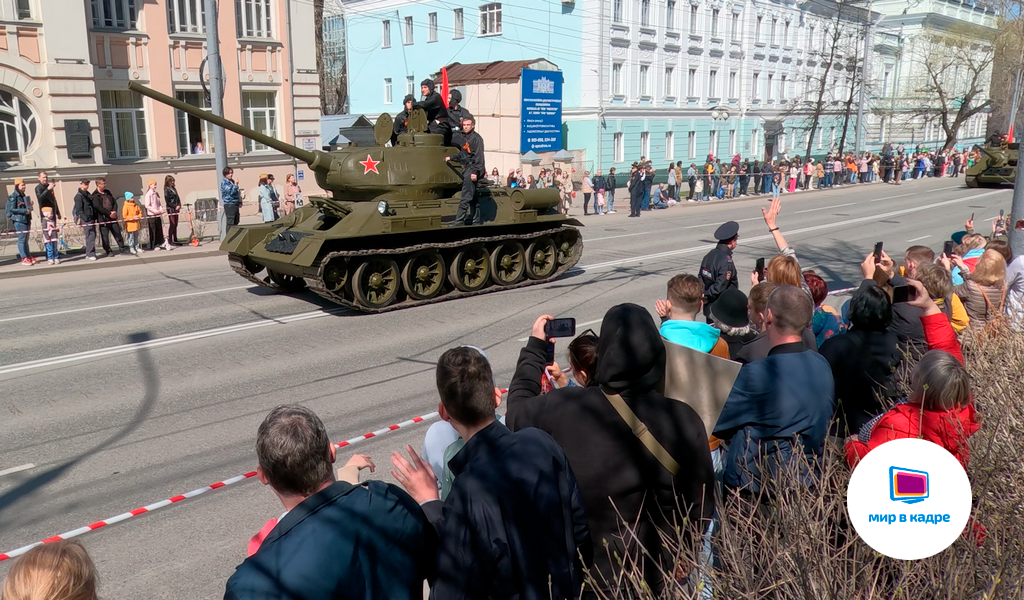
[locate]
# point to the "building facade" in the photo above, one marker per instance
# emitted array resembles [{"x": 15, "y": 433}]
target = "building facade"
[{"x": 65, "y": 68}]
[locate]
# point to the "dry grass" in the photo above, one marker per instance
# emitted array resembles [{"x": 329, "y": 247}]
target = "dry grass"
[{"x": 800, "y": 544}]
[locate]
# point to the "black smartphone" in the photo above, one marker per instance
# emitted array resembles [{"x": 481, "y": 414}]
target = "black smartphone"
[
  {"x": 556, "y": 328},
  {"x": 947, "y": 248},
  {"x": 550, "y": 354},
  {"x": 902, "y": 293},
  {"x": 1001, "y": 213},
  {"x": 972, "y": 216},
  {"x": 878, "y": 252},
  {"x": 759, "y": 268}
]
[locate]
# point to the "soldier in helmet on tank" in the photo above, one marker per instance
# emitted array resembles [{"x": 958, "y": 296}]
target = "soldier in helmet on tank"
[
  {"x": 471, "y": 155},
  {"x": 402, "y": 119},
  {"x": 717, "y": 270},
  {"x": 437, "y": 114},
  {"x": 456, "y": 113}
]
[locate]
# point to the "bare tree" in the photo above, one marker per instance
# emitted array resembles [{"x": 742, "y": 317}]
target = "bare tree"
[
  {"x": 330, "y": 60},
  {"x": 955, "y": 70}
]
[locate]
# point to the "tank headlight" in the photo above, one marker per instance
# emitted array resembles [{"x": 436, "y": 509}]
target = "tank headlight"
[{"x": 382, "y": 208}]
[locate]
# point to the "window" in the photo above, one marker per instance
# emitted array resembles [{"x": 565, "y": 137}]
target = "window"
[
  {"x": 645, "y": 13},
  {"x": 755, "y": 86},
  {"x": 693, "y": 19},
  {"x": 670, "y": 142},
  {"x": 810, "y": 39},
  {"x": 885, "y": 83},
  {"x": 387, "y": 90},
  {"x": 670, "y": 91},
  {"x": 185, "y": 16},
  {"x": 771, "y": 91},
  {"x": 714, "y": 22},
  {"x": 820, "y": 136},
  {"x": 410, "y": 85},
  {"x": 386, "y": 34},
  {"x": 115, "y": 14},
  {"x": 734, "y": 31},
  {"x": 457, "y": 24},
  {"x": 18, "y": 126},
  {"x": 775, "y": 23},
  {"x": 124, "y": 124},
  {"x": 259, "y": 112},
  {"x": 644, "y": 89},
  {"x": 732, "y": 142},
  {"x": 618, "y": 148},
  {"x": 832, "y": 136},
  {"x": 617, "y": 79},
  {"x": 753, "y": 142},
  {"x": 252, "y": 18},
  {"x": 192, "y": 130},
  {"x": 670, "y": 16},
  {"x": 617, "y": 17},
  {"x": 490, "y": 19},
  {"x": 691, "y": 83},
  {"x": 785, "y": 34},
  {"x": 432, "y": 27},
  {"x": 645, "y": 143},
  {"x": 16, "y": 10},
  {"x": 691, "y": 144},
  {"x": 782, "y": 89},
  {"x": 732, "y": 84},
  {"x": 713, "y": 143},
  {"x": 408, "y": 31},
  {"x": 712, "y": 84}
]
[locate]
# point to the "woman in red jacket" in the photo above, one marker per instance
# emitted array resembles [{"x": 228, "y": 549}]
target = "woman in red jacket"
[{"x": 940, "y": 408}]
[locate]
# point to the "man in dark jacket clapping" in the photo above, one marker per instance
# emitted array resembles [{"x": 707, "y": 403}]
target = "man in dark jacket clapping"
[
  {"x": 513, "y": 524},
  {"x": 620, "y": 478}
]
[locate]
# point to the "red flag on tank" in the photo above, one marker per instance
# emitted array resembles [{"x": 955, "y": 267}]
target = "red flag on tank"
[{"x": 444, "y": 86}]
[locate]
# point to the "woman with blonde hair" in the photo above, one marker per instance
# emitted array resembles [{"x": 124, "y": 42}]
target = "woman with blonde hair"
[
  {"x": 292, "y": 193},
  {"x": 984, "y": 291},
  {"x": 57, "y": 571}
]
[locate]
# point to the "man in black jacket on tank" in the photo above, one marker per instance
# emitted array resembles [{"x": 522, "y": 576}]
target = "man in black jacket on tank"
[
  {"x": 471, "y": 155},
  {"x": 620, "y": 478},
  {"x": 437, "y": 114}
]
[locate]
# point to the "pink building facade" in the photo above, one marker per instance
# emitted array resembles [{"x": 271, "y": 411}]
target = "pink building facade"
[{"x": 65, "y": 105}]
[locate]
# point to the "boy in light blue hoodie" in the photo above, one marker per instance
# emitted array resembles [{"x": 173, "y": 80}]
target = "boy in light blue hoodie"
[{"x": 679, "y": 324}]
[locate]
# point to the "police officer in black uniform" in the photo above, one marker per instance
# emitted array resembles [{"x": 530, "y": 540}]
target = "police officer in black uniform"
[
  {"x": 717, "y": 270},
  {"x": 471, "y": 155}
]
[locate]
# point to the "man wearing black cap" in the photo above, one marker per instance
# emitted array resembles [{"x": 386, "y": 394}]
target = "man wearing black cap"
[
  {"x": 717, "y": 270},
  {"x": 437, "y": 115},
  {"x": 402, "y": 119},
  {"x": 456, "y": 113}
]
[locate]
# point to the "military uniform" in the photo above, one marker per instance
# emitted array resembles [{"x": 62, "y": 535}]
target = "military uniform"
[
  {"x": 471, "y": 155},
  {"x": 456, "y": 113},
  {"x": 401, "y": 124},
  {"x": 717, "y": 270},
  {"x": 437, "y": 114}
]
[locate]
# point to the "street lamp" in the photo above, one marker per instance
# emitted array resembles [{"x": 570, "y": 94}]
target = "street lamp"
[{"x": 718, "y": 115}]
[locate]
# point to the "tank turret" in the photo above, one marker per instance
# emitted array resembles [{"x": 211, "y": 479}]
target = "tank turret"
[{"x": 382, "y": 239}]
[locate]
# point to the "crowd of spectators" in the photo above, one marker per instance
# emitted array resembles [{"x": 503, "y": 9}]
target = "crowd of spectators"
[{"x": 583, "y": 476}]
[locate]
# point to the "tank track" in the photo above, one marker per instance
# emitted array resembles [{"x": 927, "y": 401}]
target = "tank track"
[{"x": 316, "y": 284}]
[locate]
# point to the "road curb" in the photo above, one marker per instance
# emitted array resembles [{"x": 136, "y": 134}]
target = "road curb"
[{"x": 86, "y": 265}]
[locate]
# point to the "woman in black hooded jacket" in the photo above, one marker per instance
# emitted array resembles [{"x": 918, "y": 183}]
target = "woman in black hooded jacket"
[{"x": 619, "y": 478}]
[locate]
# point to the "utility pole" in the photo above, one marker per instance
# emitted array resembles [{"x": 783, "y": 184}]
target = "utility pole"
[
  {"x": 1017, "y": 208},
  {"x": 217, "y": 104},
  {"x": 858, "y": 144},
  {"x": 600, "y": 89}
]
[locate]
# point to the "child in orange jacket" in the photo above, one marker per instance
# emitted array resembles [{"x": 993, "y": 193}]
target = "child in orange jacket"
[{"x": 132, "y": 215}]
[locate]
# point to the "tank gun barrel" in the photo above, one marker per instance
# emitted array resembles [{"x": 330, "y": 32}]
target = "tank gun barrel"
[{"x": 312, "y": 158}]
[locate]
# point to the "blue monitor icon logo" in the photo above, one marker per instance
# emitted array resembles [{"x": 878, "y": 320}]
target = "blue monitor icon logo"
[{"x": 908, "y": 485}]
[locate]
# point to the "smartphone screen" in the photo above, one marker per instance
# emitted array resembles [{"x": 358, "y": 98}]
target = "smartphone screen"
[
  {"x": 947, "y": 248},
  {"x": 550, "y": 354},
  {"x": 560, "y": 328},
  {"x": 760, "y": 269},
  {"x": 878, "y": 252},
  {"x": 1001, "y": 213},
  {"x": 902, "y": 293}
]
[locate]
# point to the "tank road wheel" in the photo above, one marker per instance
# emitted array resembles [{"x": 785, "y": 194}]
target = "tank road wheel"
[
  {"x": 288, "y": 283},
  {"x": 423, "y": 275},
  {"x": 541, "y": 258},
  {"x": 508, "y": 263},
  {"x": 375, "y": 282},
  {"x": 336, "y": 275},
  {"x": 470, "y": 269},
  {"x": 564, "y": 243}
]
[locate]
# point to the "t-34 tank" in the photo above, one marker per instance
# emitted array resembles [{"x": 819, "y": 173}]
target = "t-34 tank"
[
  {"x": 382, "y": 240},
  {"x": 996, "y": 166}
]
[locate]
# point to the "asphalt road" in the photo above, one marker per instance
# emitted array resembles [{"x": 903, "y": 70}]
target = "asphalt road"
[{"x": 100, "y": 426}]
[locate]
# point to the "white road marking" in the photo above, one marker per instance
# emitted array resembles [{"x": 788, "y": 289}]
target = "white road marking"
[
  {"x": 612, "y": 237},
  {"x": 919, "y": 238},
  {"x": 129, "y": 303},
  {"x": 900, "y": 196},
  {"x": 578, "y": 325},
  {"x": 12, "y": 470},
  {"x": 823, "y": 208},
  {"x": 761, "y": 218},
  {"x": 197, "y": 335}
]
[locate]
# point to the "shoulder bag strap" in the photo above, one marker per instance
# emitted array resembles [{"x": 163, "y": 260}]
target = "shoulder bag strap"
[
  {"x": 1002, "y": 299},
  {"x": 642, "y": 433}
]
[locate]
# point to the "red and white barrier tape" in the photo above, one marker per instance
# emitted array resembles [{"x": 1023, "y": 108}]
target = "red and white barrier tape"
[
  {"x": 175, "y": 499},
  {"x": 66, "y": 223}
]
